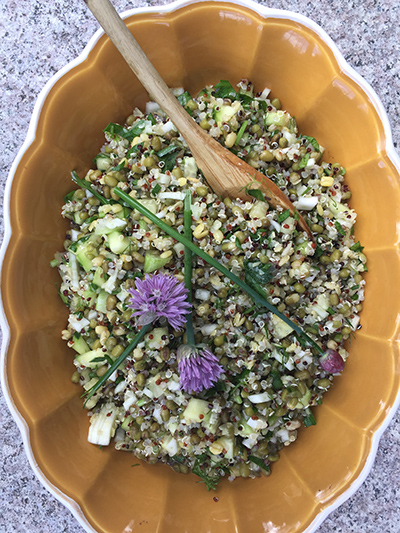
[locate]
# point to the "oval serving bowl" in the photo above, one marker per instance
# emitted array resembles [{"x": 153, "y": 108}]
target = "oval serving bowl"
[{"x": 300, "y": 64}]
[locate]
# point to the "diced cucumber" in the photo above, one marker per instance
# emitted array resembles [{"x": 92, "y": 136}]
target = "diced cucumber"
[
  {"x": 103, "y": 162},
  {"x": 169, "y": 444},
  {"x": 211, "y": 421},
  {"x": 243, "y": 429},
  {"x": 101, "y": 301},
  {"x": 86, "y": 250},
  {"x": 154, "y": 340},
  {"x": 153, "y": 261},
  {"x": 117, "y": 242},
  {"x": 107, "y": 225},
  {"x": 124, "y": 213},
  {"x": 281, "y": 329},
  {"x": 322, "y": 306},
  {"x": 149, "y": 203},
  {"x": 88, "y": 298},
  {"x": 224, "y": 113},
  {"x": 92, "y": 359},
  {"x": 196, "y": 410},
  {"x": 278, "y": 118},
  {"x": 79, "y": 344},
  {"x": 155, "y": 389},
  {"x": 227, "y": 444},
  {"x": 99, "y": 277},
  {"x": 143, "y": 224},
  {"x": 103, "y": 425}
]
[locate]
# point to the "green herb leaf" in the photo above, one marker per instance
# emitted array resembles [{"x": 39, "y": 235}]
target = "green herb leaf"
[
  {"x": 257, "y": 272},
  {"x": 224, "y": 89},
  {"x": 339, "y": 228},
  {"x": 152, "y": 119},
  {"x": 184, "y": 98},
  {"x": 220, "y": 386},
  {"x": 312, "y": 141},
  {"x": 126, "y": 133},
  {"x": 309, "y": 419},
  {"x": 238, "y": 244},
  {"x": 276, "y": 380},
  {"x": 98, "y": 360},
  {"x": 357, "y": 247},
  {"x": 304, "y": 160},
  {"x": 283, "y": 216},
  {"x": 256, "y": 193},
  {"x": 168, "y": 155},
  {"x": 134, "y": 149},
  {"x": 246, "y": 100},
  {"x": 167, "y": 150},
  {"x": 118, "y": 167},
  {"x": 259, "y": 462},
  {"x": 210, "y": 481},
  {"x": 69, "y": 196}
]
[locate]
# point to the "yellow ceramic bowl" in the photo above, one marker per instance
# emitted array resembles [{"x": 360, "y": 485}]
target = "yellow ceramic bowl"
[{"x": 193, "y": 44}]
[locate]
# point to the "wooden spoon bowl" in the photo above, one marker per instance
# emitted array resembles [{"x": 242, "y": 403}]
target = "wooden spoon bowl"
[{"x": 226, "y": 174}]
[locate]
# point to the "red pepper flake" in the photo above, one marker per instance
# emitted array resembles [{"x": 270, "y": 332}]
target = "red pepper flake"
[
  {"x": 286, "y": 226},
  {"x": 158, "y": 381},
  {"x": 201, "y": 417},
  {"x": 254, "y": 417},
  {"x": 108, "y": 414}
]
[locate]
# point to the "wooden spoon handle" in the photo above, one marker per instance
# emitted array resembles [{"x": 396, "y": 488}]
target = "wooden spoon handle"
[
  {"x": 137, "y": 60},
  {"x": 228, "y": 174}
]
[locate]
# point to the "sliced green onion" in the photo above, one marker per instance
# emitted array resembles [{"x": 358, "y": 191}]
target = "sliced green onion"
[{"x": 211, "y": 261}]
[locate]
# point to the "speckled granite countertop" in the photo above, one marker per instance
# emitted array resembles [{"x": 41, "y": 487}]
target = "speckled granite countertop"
[{"x": 37, "y": 39}]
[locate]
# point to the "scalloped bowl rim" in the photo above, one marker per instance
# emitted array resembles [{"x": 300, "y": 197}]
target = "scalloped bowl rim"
[{"x": 30, "y": 137}]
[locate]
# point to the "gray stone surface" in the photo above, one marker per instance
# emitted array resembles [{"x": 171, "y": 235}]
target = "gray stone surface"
[{"x": 37, "y": 39}]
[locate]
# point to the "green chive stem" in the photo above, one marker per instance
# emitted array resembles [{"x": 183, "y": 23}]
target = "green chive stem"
[
  {"x": 118, "y": 361},
  {"x": 211, "y": 261},
  {"x": 86, "y": 185},
  {"x": 187, "y": 221}
]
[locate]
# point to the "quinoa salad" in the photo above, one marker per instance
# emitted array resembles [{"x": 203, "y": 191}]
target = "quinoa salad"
[{"x": 205, "y": 330}]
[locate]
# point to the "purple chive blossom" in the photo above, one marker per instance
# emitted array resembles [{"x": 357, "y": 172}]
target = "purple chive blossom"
[
  {"x": 198, "y": 368},
  {"x": 159, "y": 296},
  {"x": 331, "y": 362}
]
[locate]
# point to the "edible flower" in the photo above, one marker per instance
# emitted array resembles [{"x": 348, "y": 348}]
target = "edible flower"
[
  {"x": 331, "y": 362},
  {"x": 198, "y": 368},
  {"x": 159, "y": 296}
]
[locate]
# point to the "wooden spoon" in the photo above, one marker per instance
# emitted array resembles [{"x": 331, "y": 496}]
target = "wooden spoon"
[{"x": 227, "y": 174}]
